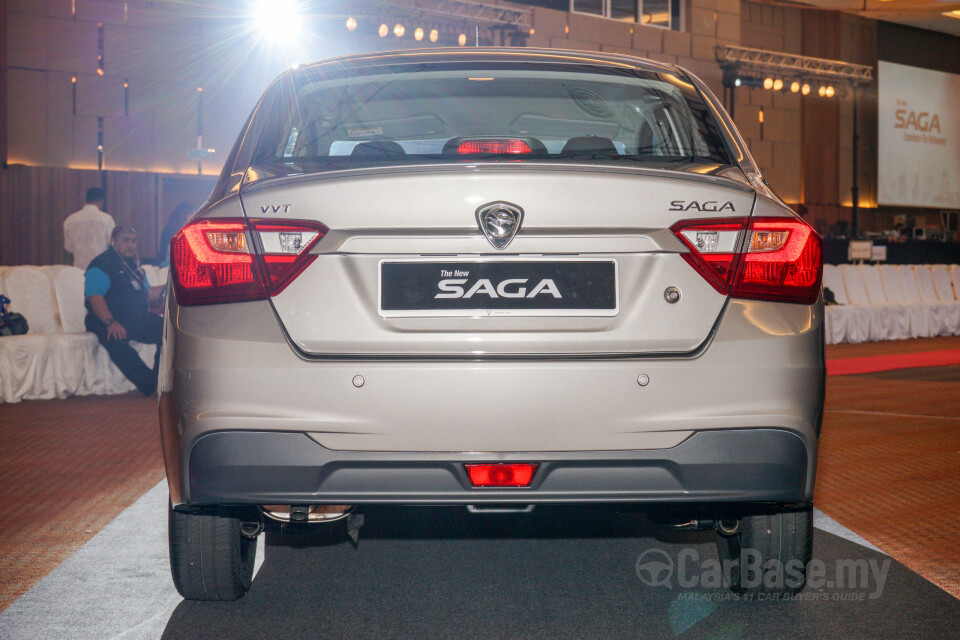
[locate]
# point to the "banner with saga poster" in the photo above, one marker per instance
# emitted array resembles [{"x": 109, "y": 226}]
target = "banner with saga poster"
[{"x": 919, "y": 137}]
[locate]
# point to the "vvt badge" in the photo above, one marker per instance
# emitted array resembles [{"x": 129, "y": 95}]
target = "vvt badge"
[{"x": 499, "y": 222}]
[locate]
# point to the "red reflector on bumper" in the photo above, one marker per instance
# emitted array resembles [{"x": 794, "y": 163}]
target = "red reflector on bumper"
[{"x": 501, "y": 475}]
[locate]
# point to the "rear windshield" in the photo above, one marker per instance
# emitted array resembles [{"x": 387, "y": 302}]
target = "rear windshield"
[{"x": 434, "y": 113}]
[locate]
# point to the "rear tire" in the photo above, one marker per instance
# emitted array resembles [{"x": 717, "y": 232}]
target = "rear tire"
[
  {"x": 209, "y": 558},
  {"x": 768, "y": 553}
]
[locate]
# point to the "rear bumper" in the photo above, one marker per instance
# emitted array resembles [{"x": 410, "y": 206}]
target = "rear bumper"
[{"x": 716, "y": 466}]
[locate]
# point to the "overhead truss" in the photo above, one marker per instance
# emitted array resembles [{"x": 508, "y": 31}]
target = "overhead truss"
[{"x": 775, "y": 62}]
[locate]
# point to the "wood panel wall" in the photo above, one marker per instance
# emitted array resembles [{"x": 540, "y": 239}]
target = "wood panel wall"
[{"x": 34, "y": 202}]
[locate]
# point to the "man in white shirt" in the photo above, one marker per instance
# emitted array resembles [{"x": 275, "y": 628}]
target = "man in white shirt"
[{"x": 86, "y": 233}]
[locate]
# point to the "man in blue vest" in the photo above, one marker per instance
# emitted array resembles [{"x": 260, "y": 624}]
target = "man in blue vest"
[{"x": 117, "y": 300}]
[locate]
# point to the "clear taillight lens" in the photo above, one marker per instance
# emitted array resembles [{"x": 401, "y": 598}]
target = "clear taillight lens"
[
  {"x": 213, "y": 261},
  {"x": 781, "y": 259}
]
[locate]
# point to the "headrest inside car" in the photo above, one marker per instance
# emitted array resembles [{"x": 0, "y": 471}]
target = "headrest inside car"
[
  {"x": 378, "y": 150},
  {"x": 589, "y": 147}
]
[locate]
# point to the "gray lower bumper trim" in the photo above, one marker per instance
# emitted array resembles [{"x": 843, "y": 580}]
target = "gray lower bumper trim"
[{"x": 256, "y": 467}]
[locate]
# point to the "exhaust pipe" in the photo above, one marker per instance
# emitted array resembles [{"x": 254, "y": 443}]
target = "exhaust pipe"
[{"x": 313, "y": 513}]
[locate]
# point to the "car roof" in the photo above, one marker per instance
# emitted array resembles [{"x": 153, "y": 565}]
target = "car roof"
[{"x": 491, "y": 54}]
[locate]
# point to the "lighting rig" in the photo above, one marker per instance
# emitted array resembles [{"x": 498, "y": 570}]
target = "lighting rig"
[
  {"x": 787, "y": 72},
  {"x": 808, "y": 76}
]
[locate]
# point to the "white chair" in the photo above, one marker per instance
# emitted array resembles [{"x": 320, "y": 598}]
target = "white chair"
[
  {"x": 919, "y": 312},
  {"x": 26, "y": 362},
  {"x": 68, "y": 289},
  {"x": 944, "y": 287},
  {"x": 857, "y": 294},
  {"x": 896, "y": 317},
  {"x": 51, "y": 271},
  {"x": 950, "y": 311},
  {"x": 29, "y": 291},
  {"x": 840, "y": 319},
  {"x": 911, "y": 291}
]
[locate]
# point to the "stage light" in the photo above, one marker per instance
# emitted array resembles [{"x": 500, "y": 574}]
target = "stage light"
[
  {"x": 434, "y": 35},
  {"x": 399, "y": 30},
  {"x": 737, "y": 82},
  {"x": 805, "y": 89},
  {"x": 351, "y": 23},
  {"x": 534, "y": 31},
  {"x": 830, "y": 92},
  {"x": 794, "y": 87},
  {"x": 383, "y": 31},
  {"x": 277, "y": 20},
  {"x": 777, "y": 84},
  {"x": 822, "y": 91},
  {"x": 768, "y": 83},
  {"x": 418, "y": 34},
  {"x": 462, "y": 39}
]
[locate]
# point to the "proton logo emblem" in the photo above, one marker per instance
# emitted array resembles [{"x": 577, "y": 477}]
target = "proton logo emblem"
[{"x": 499, "y": 222}]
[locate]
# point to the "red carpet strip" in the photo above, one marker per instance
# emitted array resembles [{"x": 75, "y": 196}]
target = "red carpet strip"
[{"x": 890, "y": 362}]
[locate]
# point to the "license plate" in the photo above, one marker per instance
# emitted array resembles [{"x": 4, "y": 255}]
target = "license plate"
[{"x": 562, "y": 287}]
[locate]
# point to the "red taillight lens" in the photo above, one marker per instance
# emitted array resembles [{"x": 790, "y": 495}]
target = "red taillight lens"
[
  {"x": 781, "y": 259},
  {"x": 213, "y": 261},
  {"x": 493, "y": 147},
  {"x": 501, "y": 475}
]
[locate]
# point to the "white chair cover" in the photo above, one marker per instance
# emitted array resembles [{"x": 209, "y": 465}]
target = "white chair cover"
[
  {"x": 911, "y": 291},
  {"x": 943, "y": 285},
  {"x": 955, "y": 276},
  {"x": 68, "y": 287},
  {"x": 51, "y": 271},
  {"x": 29, "y": 291},
  {"x": 950, "y": 311},
  {"x": 896, "y": 318},
  {"x": 840, "y": 319},
  {"x": 919, "y": 312},
  {"x": 869, "y": 318}
]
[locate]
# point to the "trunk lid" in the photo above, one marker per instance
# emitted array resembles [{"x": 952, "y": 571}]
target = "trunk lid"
[{"x": 615, "y": 221}]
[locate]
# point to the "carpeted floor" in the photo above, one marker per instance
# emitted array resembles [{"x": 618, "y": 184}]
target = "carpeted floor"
[{"x": 68, "y": 467}]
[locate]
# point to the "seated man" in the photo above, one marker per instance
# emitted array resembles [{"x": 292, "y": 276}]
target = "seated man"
[{"x": 117, "y": 300}]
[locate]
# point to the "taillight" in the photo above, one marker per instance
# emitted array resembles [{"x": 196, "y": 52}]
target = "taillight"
[
  {"x": 501, "y": 475},
  {"x": 780, "y": 259},
  {"x": 214, "y": 261}
]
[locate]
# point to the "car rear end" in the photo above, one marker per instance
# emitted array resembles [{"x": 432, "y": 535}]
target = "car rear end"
[{"x": 491, "y": 278}]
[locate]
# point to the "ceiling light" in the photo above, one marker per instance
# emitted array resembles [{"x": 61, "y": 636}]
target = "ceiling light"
[
  {"x": 822, "y": 91},
  {"x": 805, "y": 89},
  {"x": 777, "y": 84},
  {"x": 399, "y": 30},
  {"x": 462, "y": 39},
  {"x": 794, "y": 87},
  {"x": 434, "y": 35},
  {"x": 383, "y": 31},
  {"x": 830, "y": 92},
  {"x": 768, "y": 83},
  {"x": 277, "y": 20}
]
